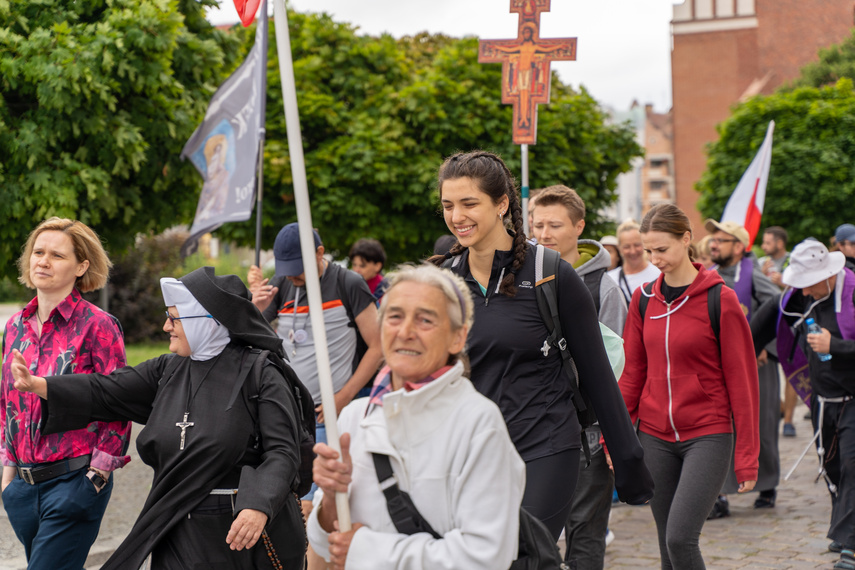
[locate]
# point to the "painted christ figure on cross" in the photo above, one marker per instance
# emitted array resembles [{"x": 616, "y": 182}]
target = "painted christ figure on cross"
[{"x": 525, "y": 66}]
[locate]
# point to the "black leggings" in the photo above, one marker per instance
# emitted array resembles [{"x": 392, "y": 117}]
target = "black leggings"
[
  {"x": 549, "y": 485},
  {"x": 688, "y": 476}
]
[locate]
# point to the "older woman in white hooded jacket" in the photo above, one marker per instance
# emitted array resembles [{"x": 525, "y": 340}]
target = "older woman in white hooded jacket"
[{"x": 448, "y": 445}]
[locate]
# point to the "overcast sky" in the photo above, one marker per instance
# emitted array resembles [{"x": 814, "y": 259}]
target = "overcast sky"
[{"x": 623, "y": 51}]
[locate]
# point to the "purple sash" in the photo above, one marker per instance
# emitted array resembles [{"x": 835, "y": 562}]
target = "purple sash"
[
  {"x": 745, "y": 285},
  {"x": 796, "y": 368}
]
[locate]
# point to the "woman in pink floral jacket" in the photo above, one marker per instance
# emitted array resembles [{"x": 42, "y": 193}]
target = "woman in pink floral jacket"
[{"x": 56, "y": 487}]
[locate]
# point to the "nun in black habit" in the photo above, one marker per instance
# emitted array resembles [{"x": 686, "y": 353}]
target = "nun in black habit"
[{"x": 224, "y": 447}]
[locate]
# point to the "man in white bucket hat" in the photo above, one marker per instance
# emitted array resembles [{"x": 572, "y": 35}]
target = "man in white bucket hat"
[{"x": 819, "y": 287}]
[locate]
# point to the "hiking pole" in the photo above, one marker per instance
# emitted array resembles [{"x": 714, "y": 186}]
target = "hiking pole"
[{"x": 802, "y": 456}]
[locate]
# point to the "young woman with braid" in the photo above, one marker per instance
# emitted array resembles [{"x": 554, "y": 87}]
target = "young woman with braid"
[{"x": 511, "y": 363}]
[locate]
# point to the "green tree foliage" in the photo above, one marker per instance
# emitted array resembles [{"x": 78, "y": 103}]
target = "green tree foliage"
[
  {"x": 97, "y": 98},
  {"x": 812, "y": 177},
  {"x": 834, "y": 63},
  {"x": 378, "y": 115}
]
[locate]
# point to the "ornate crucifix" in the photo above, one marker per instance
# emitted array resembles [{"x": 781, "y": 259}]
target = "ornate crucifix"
[
  {"x": 184, "y": 424},
  {"x": 525, "y": 66}
]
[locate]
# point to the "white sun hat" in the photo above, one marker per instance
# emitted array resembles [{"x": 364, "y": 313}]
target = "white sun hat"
[{"x": 811, "y": 263}]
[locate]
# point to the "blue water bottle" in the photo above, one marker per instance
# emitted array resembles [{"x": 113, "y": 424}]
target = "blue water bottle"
[{"x": 814, "y": 328}]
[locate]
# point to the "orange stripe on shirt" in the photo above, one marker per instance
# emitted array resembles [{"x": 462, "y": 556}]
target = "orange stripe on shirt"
[{"x": 289, "y": 307}]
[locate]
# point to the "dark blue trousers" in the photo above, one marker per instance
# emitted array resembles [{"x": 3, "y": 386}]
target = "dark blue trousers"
[{"x": 57, "y": 520}]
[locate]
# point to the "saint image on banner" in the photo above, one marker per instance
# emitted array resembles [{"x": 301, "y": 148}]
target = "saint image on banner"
[{"x": 216, "y": 158}]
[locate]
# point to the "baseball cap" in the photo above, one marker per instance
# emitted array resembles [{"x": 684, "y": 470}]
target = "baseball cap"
[
  {"x": 844, "y": 232},
  {"x": 609, "y": 240},
  {"x": 811, "y": 263},
  {"x": 731, "y": 228},
  {"x": 286, "y": 250}
]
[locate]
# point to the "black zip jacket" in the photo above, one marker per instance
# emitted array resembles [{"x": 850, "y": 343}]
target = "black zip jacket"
[{"x": 511, "y": 366}]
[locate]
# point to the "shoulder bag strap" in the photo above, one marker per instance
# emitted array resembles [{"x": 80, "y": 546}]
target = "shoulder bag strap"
[{"x": 405, "y": 516}]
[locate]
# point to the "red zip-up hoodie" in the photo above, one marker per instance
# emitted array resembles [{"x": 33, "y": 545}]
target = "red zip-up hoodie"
[{"x": 678, "y": 384}]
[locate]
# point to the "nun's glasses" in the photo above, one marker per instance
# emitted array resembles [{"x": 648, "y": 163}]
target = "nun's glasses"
[{"x": 173, "y": 319}]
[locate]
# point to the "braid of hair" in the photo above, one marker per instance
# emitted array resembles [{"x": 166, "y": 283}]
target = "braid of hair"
[
  {"x": 438, "y": 260},
  {"x": 508, "y": 286}
]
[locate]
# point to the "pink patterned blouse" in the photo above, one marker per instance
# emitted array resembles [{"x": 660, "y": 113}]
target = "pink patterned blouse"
[{"x": 78, "y": 337}]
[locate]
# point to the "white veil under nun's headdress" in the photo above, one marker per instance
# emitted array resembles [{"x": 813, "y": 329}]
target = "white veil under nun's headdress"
[{"x": 207, "y": 337}]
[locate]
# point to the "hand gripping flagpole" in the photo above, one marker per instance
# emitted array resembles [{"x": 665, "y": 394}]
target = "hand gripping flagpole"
[{"x": 307, "y": 242}]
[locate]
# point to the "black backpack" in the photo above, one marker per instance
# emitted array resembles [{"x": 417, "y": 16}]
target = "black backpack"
[
  {"x": 713, "y": 307},
  {"x": 305, "y": 407},
  {"x": 592, "y": 282},
  {"x": 546, "y": 289}
]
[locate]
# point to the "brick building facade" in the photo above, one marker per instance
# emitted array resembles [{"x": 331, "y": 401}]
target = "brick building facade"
[{"x": 726, "y": 50}]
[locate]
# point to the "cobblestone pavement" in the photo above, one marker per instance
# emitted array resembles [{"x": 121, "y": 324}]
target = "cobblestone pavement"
[{"x": 790, "y": 536}]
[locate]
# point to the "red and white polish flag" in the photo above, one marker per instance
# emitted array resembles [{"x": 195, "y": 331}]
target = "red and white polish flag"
[{"x": 745, "y": 206}]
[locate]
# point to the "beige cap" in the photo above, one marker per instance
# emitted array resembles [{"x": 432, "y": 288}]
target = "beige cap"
[{"x": 731, "y": 228}]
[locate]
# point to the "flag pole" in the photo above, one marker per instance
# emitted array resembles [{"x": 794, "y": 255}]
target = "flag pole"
[
  {"x": 260, "y": 183},
  {"x": 307, "y": 242},
  {"x": 261, "y": 133},
  {"x": 524, "y": 189}
]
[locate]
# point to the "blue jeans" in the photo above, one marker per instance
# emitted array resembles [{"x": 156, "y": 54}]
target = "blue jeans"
[
  {"x": 57, "y": 520},
  {"x": 320, "y": 437}
]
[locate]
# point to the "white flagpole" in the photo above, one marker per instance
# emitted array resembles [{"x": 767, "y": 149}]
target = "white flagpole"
[{"x": 307, "y": 242}]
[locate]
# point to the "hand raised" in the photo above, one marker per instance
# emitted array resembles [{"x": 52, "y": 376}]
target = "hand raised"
[
  {"x": 24, "y": 381},
  {"x": 21, "y": 372}
]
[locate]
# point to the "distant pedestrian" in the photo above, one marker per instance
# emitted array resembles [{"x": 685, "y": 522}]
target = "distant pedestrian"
[
  {"x": 56, "y": 486},
  {"x": 844, "y": 237},
  {"x": 703, "y": 252},
  {"x": 775, "y": 247},
  {"x": 367, "y": 257},
  {"x": 635, "y": 270},
  {"x": 443, "y": 244},
  {"x": 350, "y": 318},
  {"x": 737, "y": 265},
  {"x": 612, "y": 246},
  {"x": 685, "y": 396}
]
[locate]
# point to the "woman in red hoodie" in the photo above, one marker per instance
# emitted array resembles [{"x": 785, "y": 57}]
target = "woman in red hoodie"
[{"x": 685, "y": 396}]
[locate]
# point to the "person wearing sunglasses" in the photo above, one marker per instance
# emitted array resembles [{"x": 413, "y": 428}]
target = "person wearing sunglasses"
[{"x": 222, "y": 437}]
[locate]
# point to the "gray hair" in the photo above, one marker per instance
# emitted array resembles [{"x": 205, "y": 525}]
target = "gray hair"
[{"x": 459, "y": 305}]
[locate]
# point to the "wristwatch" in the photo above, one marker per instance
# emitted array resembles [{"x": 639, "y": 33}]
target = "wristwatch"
[{"x": 96, "y": 479}]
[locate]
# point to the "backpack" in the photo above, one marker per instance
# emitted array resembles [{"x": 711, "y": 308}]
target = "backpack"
[
  {"x": 592, "y": 282},
  {"x": 547, "y": 262},
  {"x": 713, "y": 307},
  {"x": 302, "y": 484},
  {"x": 341, "y": 289}
]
